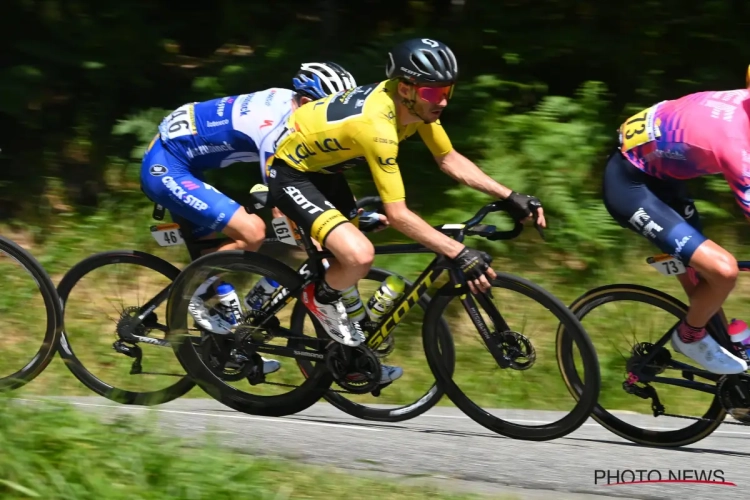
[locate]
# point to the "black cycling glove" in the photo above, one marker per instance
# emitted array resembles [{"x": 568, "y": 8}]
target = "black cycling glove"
[
  {"x": 522, "y": 205},
  {"x": 473, "y": 263}
]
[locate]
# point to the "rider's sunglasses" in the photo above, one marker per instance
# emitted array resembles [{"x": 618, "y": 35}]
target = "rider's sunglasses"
[{"x": 435, "y": 95}]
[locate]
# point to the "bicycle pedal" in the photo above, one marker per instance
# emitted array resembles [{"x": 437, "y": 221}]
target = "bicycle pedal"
[
  {"x": 376, "y": 392},
  {"x": 257, "y": 377}
]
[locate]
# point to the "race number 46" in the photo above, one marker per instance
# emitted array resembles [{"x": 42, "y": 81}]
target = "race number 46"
[
  {"x": 167, "y": 235},
  {"x": 180, "y": 123}
]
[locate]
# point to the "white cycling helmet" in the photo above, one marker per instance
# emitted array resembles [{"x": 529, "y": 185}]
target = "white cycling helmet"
[{"x": 317, "y": 80}]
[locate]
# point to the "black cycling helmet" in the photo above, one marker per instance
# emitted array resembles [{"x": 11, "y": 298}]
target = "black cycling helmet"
[
  {"x": 319, "y": 79},
  {"x": 422, "y": 61}
]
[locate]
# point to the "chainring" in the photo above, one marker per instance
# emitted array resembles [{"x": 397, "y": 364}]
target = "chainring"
[
  {"x": 355, "y": 369},
  {"x": 515, "y": 346},
  {"x": 734, "y": 395}
]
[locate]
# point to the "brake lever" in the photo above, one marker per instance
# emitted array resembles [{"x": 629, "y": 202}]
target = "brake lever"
[{"x": 539, "y": 229}]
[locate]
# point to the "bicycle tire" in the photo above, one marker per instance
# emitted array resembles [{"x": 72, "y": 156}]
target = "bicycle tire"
[
  {"x": 610, "y": 293},
  {"x": 584, "y": 404},
  {"x": 53, "y": 307},
  {"x": 76, "y": 367},
  {"x": 299, "y": 399},
  {"x": 364, "y": 412}
]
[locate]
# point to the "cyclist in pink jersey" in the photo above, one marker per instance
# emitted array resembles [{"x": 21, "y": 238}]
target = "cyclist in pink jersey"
[{"x": 644, "y": 190}]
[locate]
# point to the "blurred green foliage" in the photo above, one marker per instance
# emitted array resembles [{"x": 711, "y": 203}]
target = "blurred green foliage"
[{"x": 543, "y": 85}]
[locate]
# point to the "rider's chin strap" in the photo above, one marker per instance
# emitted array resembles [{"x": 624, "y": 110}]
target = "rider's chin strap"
[{"x": 409, "y": 104}]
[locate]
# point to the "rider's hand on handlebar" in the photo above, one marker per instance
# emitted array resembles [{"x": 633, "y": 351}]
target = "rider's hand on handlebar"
[
  {"x": 476, "y": 267},
  {"x": 383, "y": 220},
  {"x": 524, "y": 207}
]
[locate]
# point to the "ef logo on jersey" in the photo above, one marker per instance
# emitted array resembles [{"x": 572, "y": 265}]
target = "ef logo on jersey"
[{"x": 158, "y": 170}]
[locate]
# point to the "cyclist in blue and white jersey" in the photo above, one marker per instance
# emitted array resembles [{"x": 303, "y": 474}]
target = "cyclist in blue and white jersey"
[{"x": 201, "y": 136}]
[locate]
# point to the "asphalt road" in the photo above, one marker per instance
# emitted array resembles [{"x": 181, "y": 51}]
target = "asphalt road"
[{"x": 445, "y": 447}]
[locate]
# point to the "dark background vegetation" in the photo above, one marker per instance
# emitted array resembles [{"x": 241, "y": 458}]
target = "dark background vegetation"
[{"x": 543, "y": 85}]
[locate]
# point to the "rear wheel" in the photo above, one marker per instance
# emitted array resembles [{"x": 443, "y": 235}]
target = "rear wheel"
[
  {"x": 654, "y": 312},
  {"x": 100, "y": 294}
]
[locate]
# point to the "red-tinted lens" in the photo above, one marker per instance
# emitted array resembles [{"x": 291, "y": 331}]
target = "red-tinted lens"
[{"x": 435, "y": 95}]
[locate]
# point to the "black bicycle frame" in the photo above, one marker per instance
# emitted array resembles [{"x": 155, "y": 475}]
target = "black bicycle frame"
[
  {"x": 380, "y": 331},
  {"x": 388, "y": 323}
]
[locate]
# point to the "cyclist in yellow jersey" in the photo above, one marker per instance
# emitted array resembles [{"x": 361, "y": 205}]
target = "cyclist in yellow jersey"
[{"x": 306, "y": 181}]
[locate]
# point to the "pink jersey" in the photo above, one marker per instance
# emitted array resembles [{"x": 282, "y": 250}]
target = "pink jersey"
[{"x": 699, "y": 134}]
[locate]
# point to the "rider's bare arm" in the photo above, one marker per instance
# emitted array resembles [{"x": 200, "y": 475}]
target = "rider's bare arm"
[
  {"x": 466, "y": 172},
  {"x": 381, "y": 154},
  {"x": 413, "y": 226}
]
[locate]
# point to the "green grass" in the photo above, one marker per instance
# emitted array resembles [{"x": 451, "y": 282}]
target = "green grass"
[
  {"x": 74, "y": 238},
  {"x": 53, "y": 451}
]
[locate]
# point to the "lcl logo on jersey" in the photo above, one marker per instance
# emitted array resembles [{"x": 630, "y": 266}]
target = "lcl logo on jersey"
[{"x": 158, "y": 170}]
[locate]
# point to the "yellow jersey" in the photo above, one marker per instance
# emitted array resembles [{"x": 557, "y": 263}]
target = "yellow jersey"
[{"x": 360, "y": 122}]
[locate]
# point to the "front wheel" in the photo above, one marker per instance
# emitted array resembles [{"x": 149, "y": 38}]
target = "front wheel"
[
  {"x": 29, "y": 336},
  {"x": 508, "y": 382},
  {"x": 222, "y": 365}
]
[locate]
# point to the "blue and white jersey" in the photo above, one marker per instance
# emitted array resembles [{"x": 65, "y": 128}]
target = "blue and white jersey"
[{"x": 220, "y": 132}]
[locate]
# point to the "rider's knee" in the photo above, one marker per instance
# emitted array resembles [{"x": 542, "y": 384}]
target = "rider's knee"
[
  {"x": 726, "y": 269},
  {"x": 722, "y": 270},
  {"x": 360, "y": 255},
  {"x": 248, "y": 231}
]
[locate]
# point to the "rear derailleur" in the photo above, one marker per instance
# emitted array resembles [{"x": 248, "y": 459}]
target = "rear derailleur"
[
  {"x": 656, "y": 366},
  {"x": 127, "y": 326}
]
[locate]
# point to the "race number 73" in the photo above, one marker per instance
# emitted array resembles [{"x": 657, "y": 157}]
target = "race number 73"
[{"x": 639, "y": 129}]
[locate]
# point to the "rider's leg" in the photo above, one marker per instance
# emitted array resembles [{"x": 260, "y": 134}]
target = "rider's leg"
[
  {"x": 676, "y": 196},
  {"x": 352, "y": 300},
  {"x": 247, "y": 230},
  {"x": 304, "y": 198},
  {"x": 689, "y": 281},
  {"x": 167, "y": 180},
  {"x": 636, "y": 200},
  {"x": 718, "y": 275}
]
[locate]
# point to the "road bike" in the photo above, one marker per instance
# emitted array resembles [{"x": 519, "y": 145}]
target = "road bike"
[
  {"x": 21, "y": 285},
  {"x": 135, "y": 332},
  {"x": 358, "y": 369},
  {"x": 649, "y": 363}
]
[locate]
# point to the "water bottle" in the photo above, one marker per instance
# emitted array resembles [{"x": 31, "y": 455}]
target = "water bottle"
[
  {"x": 230, "y": 303},
  {"x": 385, "y": 297},
  {"x": 351, "y": 299},
  {"x": 261, "y": 292},
  {"x": 353, "y": 303},
  {"x": 739, "y": 333}
]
